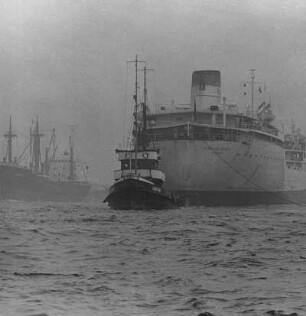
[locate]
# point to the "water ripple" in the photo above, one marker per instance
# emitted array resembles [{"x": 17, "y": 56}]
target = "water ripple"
[{"x": 84, "y": 259}]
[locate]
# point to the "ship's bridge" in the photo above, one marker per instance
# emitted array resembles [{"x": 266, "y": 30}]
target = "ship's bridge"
[
  {"x": 143, "y": 154},
  {"x": 143, "y": 163},
  {"x": 214, "y": 116},
  {"x": 153, "y": 174}
]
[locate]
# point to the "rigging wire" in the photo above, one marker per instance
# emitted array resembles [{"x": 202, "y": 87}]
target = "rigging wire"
[
  {"x": 130, "y": 134},
  {"x": 125, "y": 104},
  {"x": 127, "y": 141},
  {"x": 250, "y": 181}
]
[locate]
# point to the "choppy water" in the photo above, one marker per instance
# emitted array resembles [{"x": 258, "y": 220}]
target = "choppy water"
[{"x": 84, "y": 259}]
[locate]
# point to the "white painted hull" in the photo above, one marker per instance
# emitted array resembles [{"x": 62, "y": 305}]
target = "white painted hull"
[{"x": 235, "y": 172}]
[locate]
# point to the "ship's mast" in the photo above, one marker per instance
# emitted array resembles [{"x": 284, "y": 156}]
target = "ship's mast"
[
  {"x": 9, "y": 135},
  {"x": 71, "y": 165},
  {"x": 252, "y": 91},
  {"x": 47, "y": 151},
  {"x": 136, "y": 114},
  {"x": 136, "y": 61},
  {"x": 36, "y": 147},
  {"x": 144, "y": 107},
  {"x": 31, "y": 149}
]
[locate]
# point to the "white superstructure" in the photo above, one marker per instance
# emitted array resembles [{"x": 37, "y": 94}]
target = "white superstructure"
[{"x": 211, "y": 152}]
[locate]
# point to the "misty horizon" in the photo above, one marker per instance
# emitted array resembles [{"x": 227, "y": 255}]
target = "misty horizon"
[{"x": 65, "y": 61}]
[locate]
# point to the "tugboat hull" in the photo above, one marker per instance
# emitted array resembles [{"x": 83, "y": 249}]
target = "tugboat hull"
[{"x": 139, "y": 194}]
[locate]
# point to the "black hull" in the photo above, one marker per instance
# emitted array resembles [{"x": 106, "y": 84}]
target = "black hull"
[
  {"x": 241, "y": 198},
  {"x": 132, "y": 194},
  {"x": 18, "y": 183}
]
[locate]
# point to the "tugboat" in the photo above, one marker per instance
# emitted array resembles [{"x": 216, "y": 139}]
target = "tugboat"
[
  {"x": 138, "y": 183},
  {"x": 141, "y": 187}
]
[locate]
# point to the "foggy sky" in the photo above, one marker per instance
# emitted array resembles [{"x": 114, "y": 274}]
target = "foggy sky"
[{"x": 65, "y": 61}]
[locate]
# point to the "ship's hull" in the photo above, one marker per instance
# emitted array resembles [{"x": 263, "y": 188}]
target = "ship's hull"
[
  {"x": 240, "y": 198},
  {"x": 135, "y": 194},
  {"x": 19, "y": 183},
  {"x": 230, "y": 173}
]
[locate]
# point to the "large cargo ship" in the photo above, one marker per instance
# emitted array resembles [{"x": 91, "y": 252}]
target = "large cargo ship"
[
  {"x": 214, "y": 154},
  {"x": 54, "y": 179}
]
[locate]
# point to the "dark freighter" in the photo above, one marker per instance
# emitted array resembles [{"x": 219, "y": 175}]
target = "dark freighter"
[{"x": 55, "y": 179}]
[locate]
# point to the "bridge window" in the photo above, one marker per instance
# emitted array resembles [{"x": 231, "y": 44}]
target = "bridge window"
[
  {"x": 127, "y": 164},
  {"x": 202, "y": 86}
]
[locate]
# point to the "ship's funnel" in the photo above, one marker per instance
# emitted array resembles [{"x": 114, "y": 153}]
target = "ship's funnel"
[{"x": 205, "y": 89}]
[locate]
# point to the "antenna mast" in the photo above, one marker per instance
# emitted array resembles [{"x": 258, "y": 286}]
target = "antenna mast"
[
  {"x": 136, "y": 61},
  {"x": 71, "y": 165},
  {"x": 47, "y": 151},
  {"x": 144, "y": 106},
  {"x": 136, "y": 114},
  {"x": 252, "y": 90},
  {"x": 9, "y": 135},
  {"x": 36, "y": 147}
]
